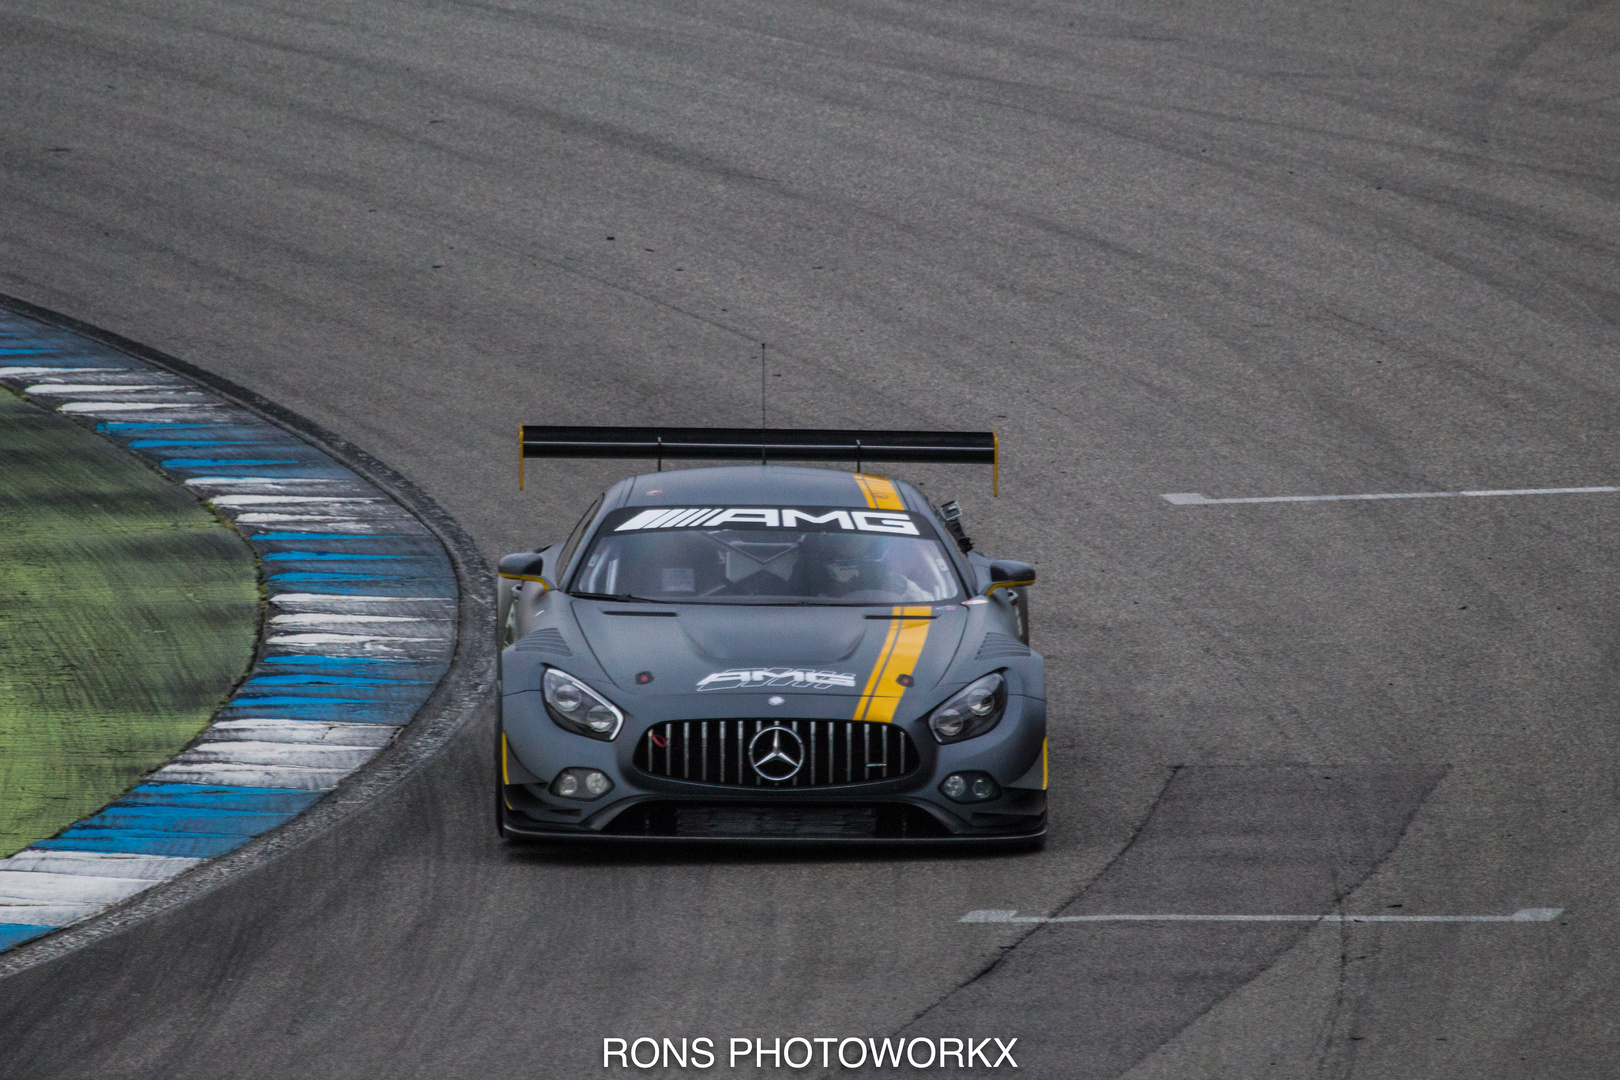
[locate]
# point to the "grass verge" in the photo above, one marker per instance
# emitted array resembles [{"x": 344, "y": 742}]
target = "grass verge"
[{"x": 127, "y": 613}]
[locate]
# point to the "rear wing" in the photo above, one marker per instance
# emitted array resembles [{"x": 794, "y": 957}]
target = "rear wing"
[{"x": 761, "y": 444}]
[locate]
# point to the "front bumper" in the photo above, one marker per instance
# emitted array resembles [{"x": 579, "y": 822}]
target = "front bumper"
[
  {"x": 909, "y": 810},
  {"x": 848, "y": 820}
]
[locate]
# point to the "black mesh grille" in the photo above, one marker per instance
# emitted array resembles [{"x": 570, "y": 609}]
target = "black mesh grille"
[
  {"x": 742, "y": 820},
  {"x": 833, "y": 753}
]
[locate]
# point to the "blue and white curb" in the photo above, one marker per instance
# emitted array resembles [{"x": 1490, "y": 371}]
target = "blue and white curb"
[{"x": 360, "y": 628}]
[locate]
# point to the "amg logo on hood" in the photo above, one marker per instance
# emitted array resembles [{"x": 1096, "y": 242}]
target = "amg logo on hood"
[
  {"x": 770, "y": 517},
  {"x": 758, "y": 678}
]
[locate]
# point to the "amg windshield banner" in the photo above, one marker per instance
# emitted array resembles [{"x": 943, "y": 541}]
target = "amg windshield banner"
[
  {"x": 799, "y": 1052},
  {"x": 799, "y": 518}
]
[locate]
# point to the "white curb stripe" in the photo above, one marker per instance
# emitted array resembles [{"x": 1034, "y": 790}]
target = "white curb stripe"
[
  {"x": 239, "y": 774},
  {"x": 58, "y": 389},
  {"x": 335, "y": 619},
  {"x": 273, "y": 730},
  {"x": 94, "y": 407},
  {"x": 100, "y": 864}
]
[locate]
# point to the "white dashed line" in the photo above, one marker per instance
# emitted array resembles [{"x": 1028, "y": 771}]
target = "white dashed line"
[
  {"x": 1005, "y": 916},
  {"x": 1192, "y": 498}
]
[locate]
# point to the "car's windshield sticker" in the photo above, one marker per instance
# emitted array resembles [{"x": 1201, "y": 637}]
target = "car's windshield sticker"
[
  {"x": 759, "y": 678},
  {"x": 770, "y": 517}
]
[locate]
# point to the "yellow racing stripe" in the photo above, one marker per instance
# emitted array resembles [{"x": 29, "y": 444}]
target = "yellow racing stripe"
[
  {"x": 879, "y": 491},
  {"x": 877, "y": 668},
  {"x": 908, "y": 633}
]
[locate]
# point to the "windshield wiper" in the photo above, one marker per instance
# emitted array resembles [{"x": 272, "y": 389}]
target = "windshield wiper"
[{"x": 623, "y": 598}]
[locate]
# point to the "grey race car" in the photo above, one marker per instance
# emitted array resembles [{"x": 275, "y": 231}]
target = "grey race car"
[{"x": 763, "y": 652}]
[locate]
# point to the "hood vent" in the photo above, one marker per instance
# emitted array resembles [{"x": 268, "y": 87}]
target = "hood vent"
[
  {"x": 549, "y": 640},
  {"x": 998, "y": 646}
]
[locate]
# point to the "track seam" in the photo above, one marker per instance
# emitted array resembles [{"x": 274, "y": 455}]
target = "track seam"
[
  {"x": 1338, "y": 902},
  {"x": 1007, "y": 950}
]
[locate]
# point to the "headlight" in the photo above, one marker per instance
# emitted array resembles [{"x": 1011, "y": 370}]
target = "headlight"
[
  {"x": 578, "y": 708},
  {"x": 973, "y": 710}
]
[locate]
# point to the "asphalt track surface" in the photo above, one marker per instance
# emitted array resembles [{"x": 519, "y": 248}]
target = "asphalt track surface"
[{"x": 1239, "y": 248}]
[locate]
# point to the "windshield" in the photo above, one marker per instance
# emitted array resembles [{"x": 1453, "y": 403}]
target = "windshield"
[{"x": 799, "y": 555}]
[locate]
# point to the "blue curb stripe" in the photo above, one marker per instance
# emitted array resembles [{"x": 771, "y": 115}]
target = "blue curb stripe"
[
  {"x": 144, "y": 443},
  {"x": 328, "y": 680},
  {"x": 260, "y": 538},
  {"x": 323, "y": 576},
  {"x": 135, "y": 842},
  {"x": 15, "y": 934},
  {"x": 156, "y": 819},
  {"x": 216, "y": 796},
  {"x": 289, "y": 556},
  {"x": 294, "y": 702},
  {"x": 330, "y": 589}
]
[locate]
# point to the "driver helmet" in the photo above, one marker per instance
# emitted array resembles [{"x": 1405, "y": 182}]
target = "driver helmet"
[{"x": 843, "y": 555}]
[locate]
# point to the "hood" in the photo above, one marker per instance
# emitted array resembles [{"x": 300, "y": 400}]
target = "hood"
[{"x": 703, "y": 648}]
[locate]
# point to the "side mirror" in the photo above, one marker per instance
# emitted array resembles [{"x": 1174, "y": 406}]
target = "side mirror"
[
  {"x": 516, "y": 571},
  {"x": 1009, "y": 574},
  {"x": 526, "y": 565}
]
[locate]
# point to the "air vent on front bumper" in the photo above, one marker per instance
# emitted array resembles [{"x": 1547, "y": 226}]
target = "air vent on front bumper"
[{"x": 832, "y": 753}]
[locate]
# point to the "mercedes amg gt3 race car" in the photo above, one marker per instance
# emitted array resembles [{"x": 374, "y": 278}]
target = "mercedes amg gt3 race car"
[{"x": 768, "y": 652}]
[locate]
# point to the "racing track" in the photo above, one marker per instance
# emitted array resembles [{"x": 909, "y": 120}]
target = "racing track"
[{"x": 1240, "y": 248}]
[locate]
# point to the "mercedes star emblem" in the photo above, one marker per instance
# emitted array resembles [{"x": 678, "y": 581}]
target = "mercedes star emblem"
[{"x": 776, "y": 753}]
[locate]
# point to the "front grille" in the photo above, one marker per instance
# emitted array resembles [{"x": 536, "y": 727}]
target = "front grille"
[{"x": 833, "y": 752}]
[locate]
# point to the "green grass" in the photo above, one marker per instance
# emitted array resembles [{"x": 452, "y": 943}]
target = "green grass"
[{"x": 127, "y": 613}]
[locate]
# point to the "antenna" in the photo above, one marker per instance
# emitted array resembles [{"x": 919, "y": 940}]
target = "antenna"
[{"x": 762, "y": 460}]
